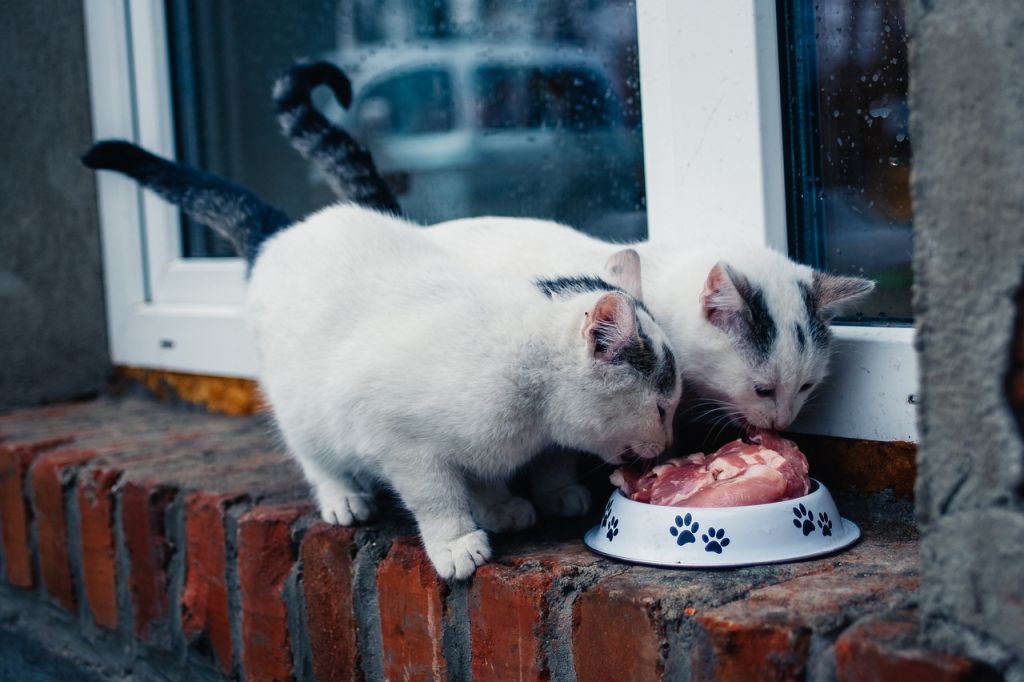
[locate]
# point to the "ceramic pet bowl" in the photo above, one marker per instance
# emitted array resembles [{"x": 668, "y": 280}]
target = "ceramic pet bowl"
[{"x": 706, "y": 537}]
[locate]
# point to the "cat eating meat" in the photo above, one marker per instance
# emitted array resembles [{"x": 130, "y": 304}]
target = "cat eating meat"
[
  {"x": 390, "y": 364},
  {"x": 749, "y": 325}
]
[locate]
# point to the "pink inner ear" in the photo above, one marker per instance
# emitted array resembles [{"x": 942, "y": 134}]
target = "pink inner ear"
[
  {"x": 610, "y": 326},
  {"x": 719, "y": 299}
]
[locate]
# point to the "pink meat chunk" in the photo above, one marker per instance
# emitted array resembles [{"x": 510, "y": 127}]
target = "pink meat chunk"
[{"x": 769, "y": 468}]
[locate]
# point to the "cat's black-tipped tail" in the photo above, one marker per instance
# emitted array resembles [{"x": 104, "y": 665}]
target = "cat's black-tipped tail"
[
  {"x": 347, "y": 165},
  {"x": 230, "y": 209}
]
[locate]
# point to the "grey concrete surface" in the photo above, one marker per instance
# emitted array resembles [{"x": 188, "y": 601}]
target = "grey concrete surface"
[
  {"x": 53, "y": 343},
  {"x": 967, "y": 127}
]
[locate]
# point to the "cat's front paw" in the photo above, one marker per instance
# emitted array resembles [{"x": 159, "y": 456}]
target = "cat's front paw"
[
  {"x": 347, "y": 510},
  {"x": 570, "y": 500},
  {"x": 515, "y": 513},
  {"x": 459, "y": 558}
]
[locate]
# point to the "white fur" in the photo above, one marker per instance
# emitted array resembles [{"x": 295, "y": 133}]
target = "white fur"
[
  {"x": 389, "y": 361},
  {"x": 715, "y": 369}
]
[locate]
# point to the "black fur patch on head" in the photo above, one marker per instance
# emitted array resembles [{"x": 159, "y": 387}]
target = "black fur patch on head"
[
  {"x": 570, "y": 286},
  {"x": 639, "y": 354},
  {"x": 761, "y": 329},
  {"x": 820, "y": 334},
  {"x": 665, "y": 382},
  {"x": 801, "y": 338},
  {"x": 581, "y": 284}
]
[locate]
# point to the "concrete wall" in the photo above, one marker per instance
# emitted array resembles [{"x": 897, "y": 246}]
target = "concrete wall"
[
  {"x": 53, "y": 342},
  {"x": 967, "y": 126}
]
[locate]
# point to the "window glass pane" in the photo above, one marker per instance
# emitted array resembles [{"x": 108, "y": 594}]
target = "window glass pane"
[
  {"x": 849, "y": 152},
  {"x": 407, "y": 104},
  {"x": 469, "y": 107}
]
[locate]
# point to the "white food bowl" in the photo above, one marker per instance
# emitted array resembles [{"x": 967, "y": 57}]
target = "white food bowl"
[{"x": 707, "y": 537}]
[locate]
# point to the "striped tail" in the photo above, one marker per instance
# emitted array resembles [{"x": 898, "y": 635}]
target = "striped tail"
[
  {"x": 229, "y": 209},
  {"x": 347, "y": 165}
]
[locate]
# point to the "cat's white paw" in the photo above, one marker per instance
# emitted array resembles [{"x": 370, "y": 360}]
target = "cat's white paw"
[
  {"x": 571, "y": 500},
  {"x": 347, "y": 510},
  {"x": 515, "y": 513},
  {"x": 459, "y": 558}
]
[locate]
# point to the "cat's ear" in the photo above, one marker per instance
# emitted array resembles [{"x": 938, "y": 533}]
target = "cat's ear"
[
  {"x": 623, "y": 270},
  {"x": 833, "y": 294},
  {"x": 610, "y": 326},
  {"x": 722, "y": 300}
]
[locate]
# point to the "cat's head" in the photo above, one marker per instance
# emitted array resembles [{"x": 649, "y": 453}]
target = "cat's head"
[
  {"x": 625, "y": 386},
  {"x": 767, "y": 344}
]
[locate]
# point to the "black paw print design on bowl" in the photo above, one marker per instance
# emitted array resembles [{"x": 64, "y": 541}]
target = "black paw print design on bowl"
[
  {"x": 684, "y": 531},
  {"x": 607, "y": 513},
  {"x": 824, "y": 523},
  {"x": 613, "y": 528},
  {"x": 804, "y": 519},
  {"x": 715, "y": 541}
]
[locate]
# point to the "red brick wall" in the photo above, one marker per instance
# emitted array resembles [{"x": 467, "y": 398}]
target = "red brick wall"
[{"x": 180, "y": 539}]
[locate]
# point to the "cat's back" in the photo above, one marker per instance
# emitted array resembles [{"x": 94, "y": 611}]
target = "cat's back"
[
  {"x": 342, "y": 235},
  {"x": 355, "y": 281},
  {"x": 343, "y": 257},
  {"x": 521, "y": 247}
]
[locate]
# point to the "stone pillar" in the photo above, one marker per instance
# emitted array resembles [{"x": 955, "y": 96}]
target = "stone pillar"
[
  {"x": 967, "y": 127},
  {"x": 53, "y": 338}
]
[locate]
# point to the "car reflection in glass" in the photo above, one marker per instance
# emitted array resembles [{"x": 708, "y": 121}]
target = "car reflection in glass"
[{"x": 470, "y": 129}]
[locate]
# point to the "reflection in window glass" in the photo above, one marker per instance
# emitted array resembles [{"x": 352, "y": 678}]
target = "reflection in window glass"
[
  {"x": 408, "y": 104},
  {"x": 849, "y": 154},
  {"x": 469, "y": 107}
]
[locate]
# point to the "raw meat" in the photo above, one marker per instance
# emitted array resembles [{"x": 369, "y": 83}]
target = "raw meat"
[{"x": 764, "y": 468}]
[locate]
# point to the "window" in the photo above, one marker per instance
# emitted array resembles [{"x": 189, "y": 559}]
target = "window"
[
  {"x": 410, "y": 104},
  {"x": 848, "y": 148},
  {"x": 534, "y": 109},
  {"x": 430, "y": 84},
  {"x": 561, "y": 97}
]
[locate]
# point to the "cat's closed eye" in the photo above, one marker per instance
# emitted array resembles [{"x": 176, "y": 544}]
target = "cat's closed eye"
[
  {"x": 806, "y": 387},
  {"x": 764, "y": 391}
]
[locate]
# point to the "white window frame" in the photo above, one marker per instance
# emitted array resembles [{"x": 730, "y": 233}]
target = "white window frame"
[
  {"x": 163, "y": 311},
  {"x": 709, "y": 74}
]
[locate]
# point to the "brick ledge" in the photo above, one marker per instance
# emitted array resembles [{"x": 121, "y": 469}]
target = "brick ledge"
[{"x": 161, "y": 537}]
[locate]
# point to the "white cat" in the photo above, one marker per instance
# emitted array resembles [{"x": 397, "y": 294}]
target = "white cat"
[
  {"x": 387, "y": 363},
  {"x": 749, "y": 325}
]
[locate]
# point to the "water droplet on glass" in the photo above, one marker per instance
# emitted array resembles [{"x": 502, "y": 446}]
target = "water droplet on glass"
[
  {"x": 880, "y": 111},
  {"x": 900, "y": 137},
  {"x": 835, "y": 114},
  {"x": 875, "y": 76}
]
